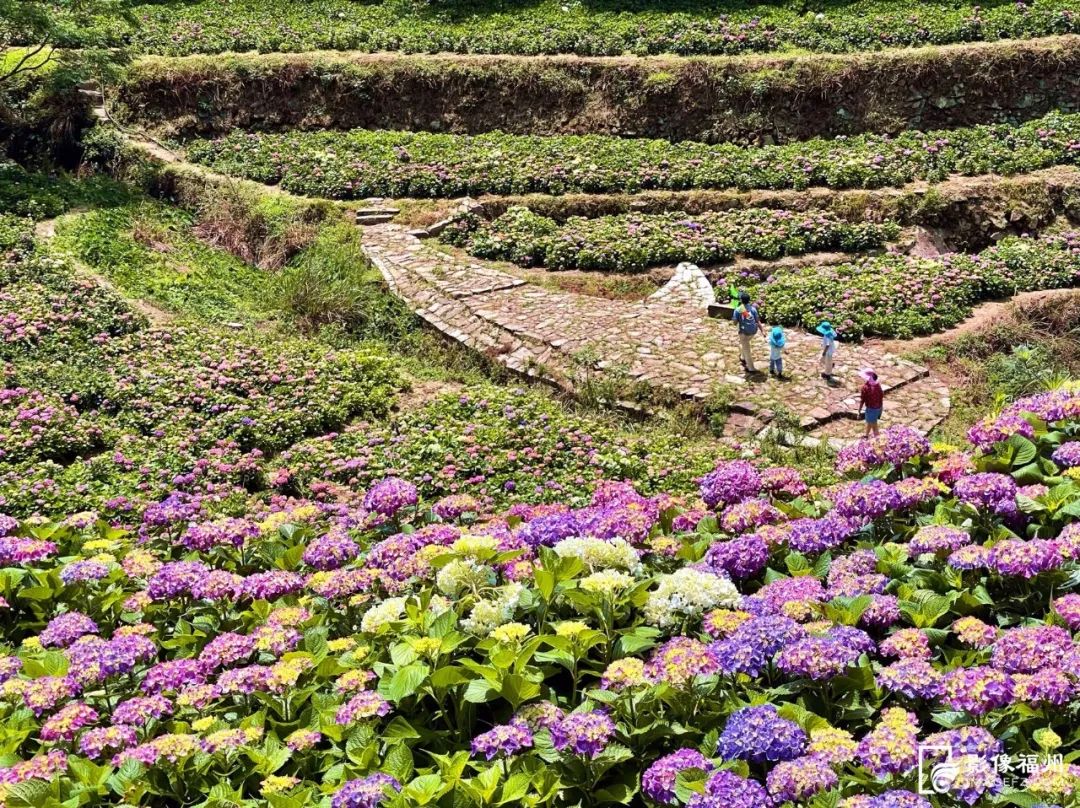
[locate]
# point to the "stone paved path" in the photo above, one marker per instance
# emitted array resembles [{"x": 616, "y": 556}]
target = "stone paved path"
[{"x": 669, "y": 345}]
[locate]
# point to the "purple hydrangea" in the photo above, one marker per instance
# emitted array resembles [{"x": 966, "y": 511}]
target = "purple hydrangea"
[
  {"x": 504, "y": 739},
  {"x": 585, "y": 734},
  {"x": 938, "y": 539},
  {"x": 389, "y": 496},
  {"x": 230, "y": 532},
  {"x": 912, "y": 678},
  {"x": 1067, "y": 455},
  {"x": 1031, "y": 648},
  {"x": 759, "y": 734},
  {"x": 976, "y": 690},
  {"x": 729, "y": 483},
  {"x": 863, "y": 501},
  {"x": 365, "y": 792},
  {"x": 988, "y": 491},
  {"x": 83, "y": 571},
  {"x": 139, "y": 711},
  {"x": 799, "y": 779},
  {"x": 658, "y": 781},
  {"x": 176, "y": 579},
  {"x": 1024, "y": 559},
  {"x": 743, "y": 557},
  {"x": 815, "y": 536},
  {"x": 893, "y": 447},
  {"x": 94, "y": 660},
  {"x": 65, "y": 629},
  {"x": 725, "y": 789},
  {"x": 817, "y": 658}
]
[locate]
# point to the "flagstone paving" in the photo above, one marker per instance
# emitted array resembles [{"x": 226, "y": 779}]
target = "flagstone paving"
[{"x": 667, "y": 343}]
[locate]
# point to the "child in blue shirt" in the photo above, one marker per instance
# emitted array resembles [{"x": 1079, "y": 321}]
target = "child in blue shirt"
[{"x": 777, "y": 341}]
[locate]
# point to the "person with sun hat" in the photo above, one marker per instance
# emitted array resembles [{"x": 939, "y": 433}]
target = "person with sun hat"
[{"x": 828, "y": 349}]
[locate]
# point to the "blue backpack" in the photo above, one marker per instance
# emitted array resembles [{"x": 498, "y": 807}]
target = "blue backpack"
[{"x": 747, "y": 317}]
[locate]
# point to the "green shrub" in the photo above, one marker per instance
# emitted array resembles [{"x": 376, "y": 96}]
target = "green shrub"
[{"x": 332, "y": 283}]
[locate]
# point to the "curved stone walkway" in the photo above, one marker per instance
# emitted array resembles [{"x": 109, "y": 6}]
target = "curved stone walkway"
[{"x": 668, "y": 345}]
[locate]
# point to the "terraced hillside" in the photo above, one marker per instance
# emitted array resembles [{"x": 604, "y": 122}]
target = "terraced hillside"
[{"x": 374, "y": 430}]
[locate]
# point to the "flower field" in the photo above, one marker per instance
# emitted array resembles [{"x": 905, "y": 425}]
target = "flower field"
[
  {"x": 363, "y": 163},
  {"x": 754, "y": 641},
  {"x": 634, "y": 242},
  {"x": 489, "y": 26}
]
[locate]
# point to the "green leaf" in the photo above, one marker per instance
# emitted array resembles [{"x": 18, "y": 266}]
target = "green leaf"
[
  {"x": 399, "y": 762},
  {"x": 399, "y": 729},
  {"x": 404, "y": 682},
  {"x": 517, "y": 690},
  {"x": 423, "y": 789},
  {"x": 479, "y": 691}
]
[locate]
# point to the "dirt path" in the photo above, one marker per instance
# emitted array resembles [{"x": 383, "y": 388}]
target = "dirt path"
[
  {"x": 751, "y": 60},
  {"x": 982, "y": 317},
  {"x": 45, "y": 230}
]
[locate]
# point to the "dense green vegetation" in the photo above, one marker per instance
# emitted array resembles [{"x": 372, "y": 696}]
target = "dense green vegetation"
[
  {"x": 634, "y": 241},
  {"x": 899, "y": 296},
  {"x": 362, "y": 163},
  {"x": 642, "y": 26}
]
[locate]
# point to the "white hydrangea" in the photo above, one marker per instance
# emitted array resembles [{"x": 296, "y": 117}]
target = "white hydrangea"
[
  {"x": 480, "y": 546},
  {"x": 487, "y": 615},
  {"x": 688, "y": 593},
  {"x": 607, "y": 582},
  {"x": 462, "y": 575},
  {"x": 382, "y": 613},
  {"x": 598, "y": 554}
]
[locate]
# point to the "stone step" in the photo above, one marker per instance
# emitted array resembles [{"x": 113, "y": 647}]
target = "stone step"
[
  {"x": 373, "y": 218},
  {"x": 376, "y": 211}
]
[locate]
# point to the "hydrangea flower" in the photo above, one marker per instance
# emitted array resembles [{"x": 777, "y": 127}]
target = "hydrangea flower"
[
  {"x": 658, "y": 781},
  {"x": 585, "y": 734},
  {"x": 743, "y": 557},
  {"x": 389, "y": 496},
  {"x": 976, "y": 690},
  {"x": 914, "y": 678},
  {"x": 817, "y": 658},
  {"x": 681, "y": 660},
  {"x": 891, "y": 747},
  {"x": 759, "y": 734},
  {"x": 938, "y": 540},
  {"x": 1067, "y": 455},
  {"x": 1030, "y": 648},
  {"x": 729, "y": 483},
  {"x": 800, "y": 779},
  {"x": 725, "y": 789},
  {"x": 364, "y": 792},
  {"x": 988, "y": 491},
  {"x": 688, "y": 593},
  {"x": 504, "y": 739}
]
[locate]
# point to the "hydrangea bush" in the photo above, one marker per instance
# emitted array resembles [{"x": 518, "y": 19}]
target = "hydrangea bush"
[
  {"x": 363, "y": 163},
  {"x": 393, "y": 649},
  {"x": 634, "y": 242},
  {"x": 901, "y": 296},
  {"x": 553, "y": 27}
]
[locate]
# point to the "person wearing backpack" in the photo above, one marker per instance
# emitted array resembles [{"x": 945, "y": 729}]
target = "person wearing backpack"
[{"x": 748, "y": 320}]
